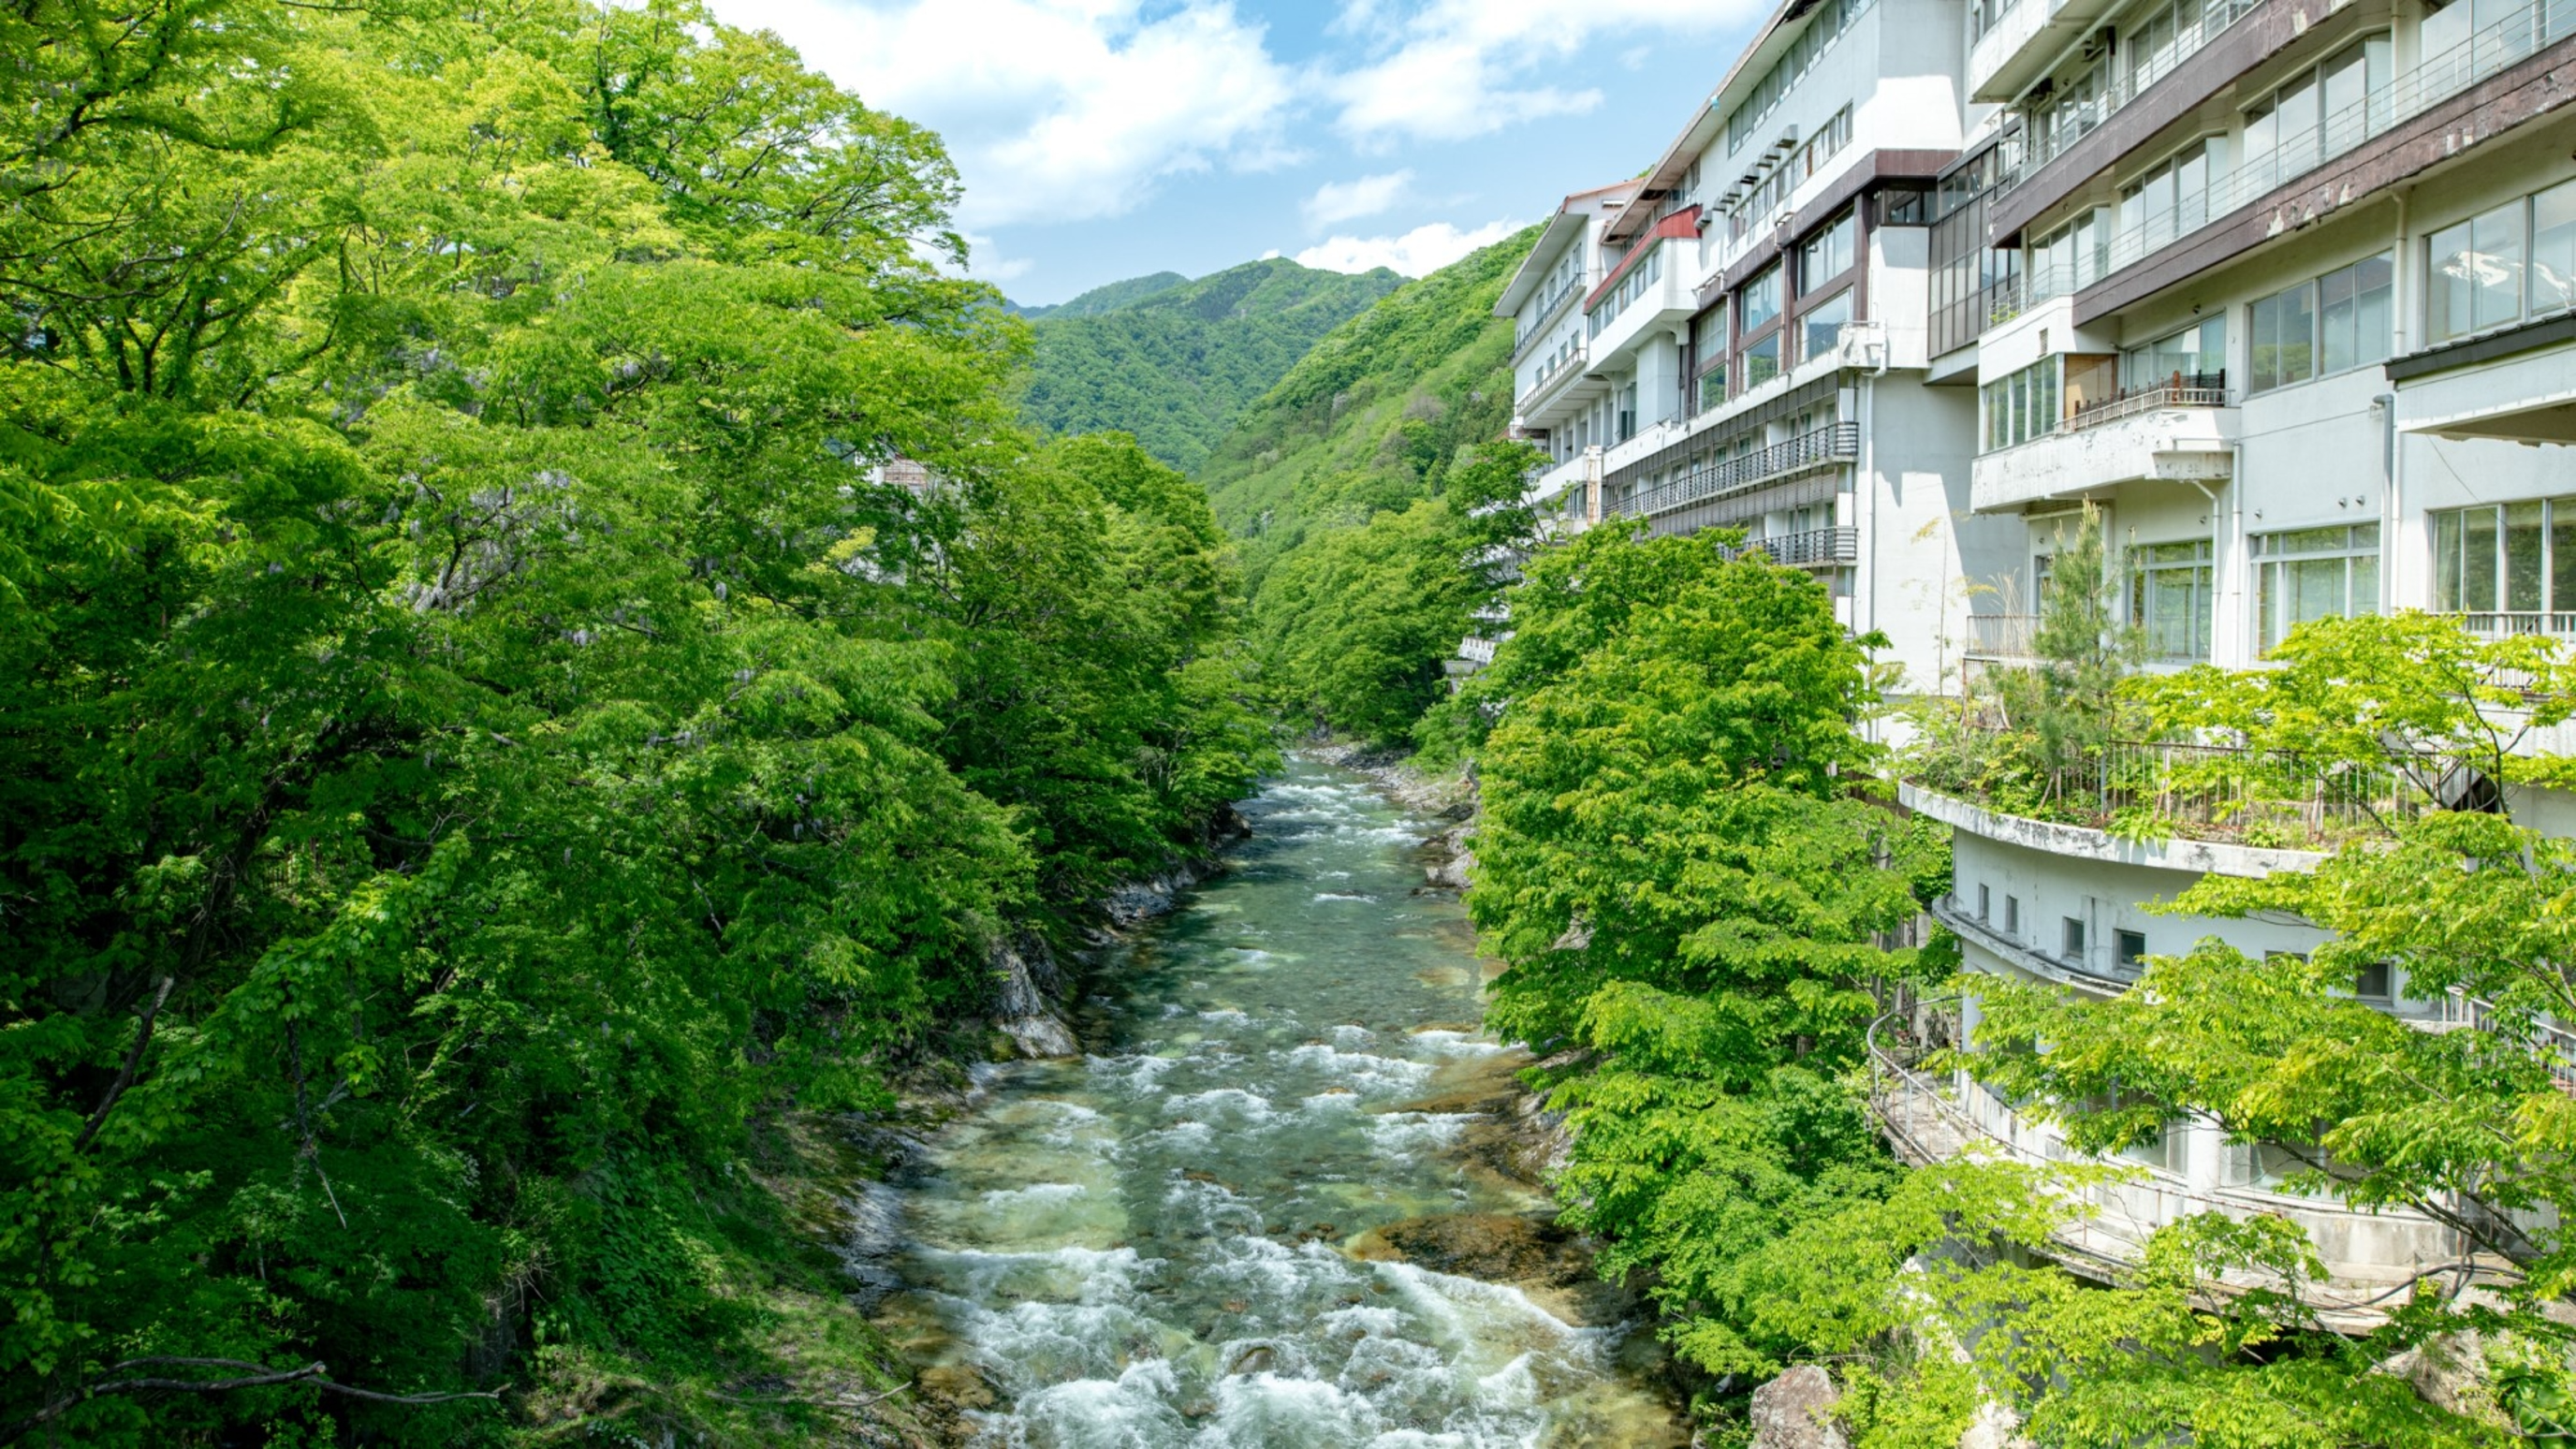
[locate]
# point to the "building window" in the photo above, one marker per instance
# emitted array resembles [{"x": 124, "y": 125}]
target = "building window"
[
  {"x": 1830, "y": 20},
  {"x": 2075, "y": 255},
  {"x": 1985, "y": 898},
  {"x": 2170, "y": 598},
  {"x": 2194, "y": 357},
  {"x": 1821, "y": 326},
  {"x": 2316, "y": 573},
  {"x": 2316, "y": 114},
  {"x": 1904, "y": 206},
  {"x": 2333, "y": 324},
  {"x": 2022, "y": 406},
  {"x": 2074, "y": 939},
  {"x": 2516, "y": 261},
  {"x": 2512, "y": 566},
  {"x": 2133, "y": 948},
  {"x": 2012, "y": 916},
  {"x": 1758, "y": 301},
  {"x": 2172, "y": 198},
  {"x": 1712, "y": 387},
  {"x": 2372, "y": 982},
  {"x": 1762, "y": 360},
  {"x": 1826, "y": 255}
]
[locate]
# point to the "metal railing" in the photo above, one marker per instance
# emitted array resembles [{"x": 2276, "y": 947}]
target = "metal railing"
[
  {"x": 1549, "y": 312},
  {"x": 2508, "y": 42},
  {"x": 1554, "y": 374},
  {"x": 1812, "y": 548},
  {"x": 1824, "y": 447},
  {"x": 2509, "y": 625},
  {"x": 2126, "y": 78},
  {"x": 2001, "y": 636},
  {"x": 2196, "y": 390},
  {"x": 1476, "y": 651},
  {"x": 2555, "y": 1045},
  {"x": 2199, "y": 791}
]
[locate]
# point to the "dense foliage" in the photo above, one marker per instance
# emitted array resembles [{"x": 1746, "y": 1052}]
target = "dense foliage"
[
  {"x": 1177, "y": 362},
  {"x": 1371, "y": 419},
  {"x": 486, "y": 753}
]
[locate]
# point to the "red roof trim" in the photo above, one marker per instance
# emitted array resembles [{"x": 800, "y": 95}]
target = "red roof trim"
[{"x": 1684, "y": 222}]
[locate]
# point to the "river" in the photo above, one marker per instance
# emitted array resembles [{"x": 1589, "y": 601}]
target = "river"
[{"x": 1220, "y": 1228}]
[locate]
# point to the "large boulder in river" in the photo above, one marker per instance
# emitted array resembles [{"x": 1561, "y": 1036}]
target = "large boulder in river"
[
  {"x": 1795, "y": 1411},
  {"x": 1024, "y": 1004}
]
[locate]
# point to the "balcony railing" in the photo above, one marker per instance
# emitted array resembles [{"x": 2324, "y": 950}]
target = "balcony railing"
[
  {"x": 2195, "y": 390},
  {"x": 2509, "y": 625},
  {"x": 1553, "y": 376},
  {"x": 1824, "y": 447},
  {"x": 2199, "y": 791},
  {"x": 1813, "y": 548},
  {"x": 2125, "y": 77},
  {"x": 1550, "y": 311},
  {"x": 2508, "y": 42},
  {"x": 2001, "y": 636}
]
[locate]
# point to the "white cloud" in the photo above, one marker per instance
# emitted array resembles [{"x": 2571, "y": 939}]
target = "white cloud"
[
  {"x": 1350, "y": 200},
  {"x": 1446, "y": 70},
  {"x": 1055, "y": 110},
  {"x": 1423, "y": 249}
]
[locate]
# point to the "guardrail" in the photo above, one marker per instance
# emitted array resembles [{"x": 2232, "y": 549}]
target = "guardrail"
[
  {"x": 1824, "y": 447},
  {"x": 2127, "y": 78},
  {"x": 2201, "y": 390},
  {"x": 1814, "y": 548},
  {"x": 1554, "y": 375},
  {"x": 2002, "y": 636},
  {"x": 2508, "y": 625}
]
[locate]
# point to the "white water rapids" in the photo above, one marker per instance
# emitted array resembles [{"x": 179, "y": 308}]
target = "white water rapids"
[{"x": 1170, "y": 1242}]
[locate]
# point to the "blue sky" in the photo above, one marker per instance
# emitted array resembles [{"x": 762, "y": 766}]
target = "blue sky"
[{"x": 1103, "y": 139}]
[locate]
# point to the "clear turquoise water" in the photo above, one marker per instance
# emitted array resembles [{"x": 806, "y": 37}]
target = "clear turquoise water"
[{"x": 1146, "y": 1247}]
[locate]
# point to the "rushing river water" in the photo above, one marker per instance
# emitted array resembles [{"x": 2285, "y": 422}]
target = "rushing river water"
[{"x": 1196, "y": 1235}]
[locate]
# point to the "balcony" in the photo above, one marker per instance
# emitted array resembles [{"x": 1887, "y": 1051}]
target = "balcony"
[
  {"x": 1652, "y": 292},
  {"x": 2004, "y": 63},
  {"x": 1555, "y": 388},
  {"x": 2174, "y": 433},
  {"x": 1827, "y": 447},
  {"x": 1550, "y": 312},
  {"x": 2002, "y": 638},
  {"x": 2519, "y": 35},
  {"x": 2262, "y": 803},
  {"x": 1814, "y": 548}
]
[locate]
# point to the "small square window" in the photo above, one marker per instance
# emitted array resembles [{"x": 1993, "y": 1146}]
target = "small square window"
[
  {"x": 2133, "y": 947},
  {"x": 1985, "y": 903},
  {"x": 2012, "y": 914},
  {"x": 2074, "y": 939},
  {"x": 2372, "y": 982}
]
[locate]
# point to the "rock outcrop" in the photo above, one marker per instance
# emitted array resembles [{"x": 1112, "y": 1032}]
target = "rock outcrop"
[{"x": 1795, "y": 1411}]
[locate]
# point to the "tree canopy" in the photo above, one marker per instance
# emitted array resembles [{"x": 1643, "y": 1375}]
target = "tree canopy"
[{"x": 541, "y": 655}]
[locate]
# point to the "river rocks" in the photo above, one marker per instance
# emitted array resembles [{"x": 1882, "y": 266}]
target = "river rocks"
[
  {"x": 1447, "y": 860},
  {"x": 1795, "y": 1411},
  {"x": 1023, "y": 1009}
]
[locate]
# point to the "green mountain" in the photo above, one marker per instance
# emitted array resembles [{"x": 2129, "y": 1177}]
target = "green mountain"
[
  {"x": 1105, "y": 299},
  {"x": 1176, "y": 365},
  {"x": 1372, "y": 417}
]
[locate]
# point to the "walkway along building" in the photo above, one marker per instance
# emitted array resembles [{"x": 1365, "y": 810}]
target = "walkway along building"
[{"x": 2285, "y": 288}]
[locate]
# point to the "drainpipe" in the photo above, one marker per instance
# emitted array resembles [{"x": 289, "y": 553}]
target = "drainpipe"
[{"x": 2389, "y": 517}]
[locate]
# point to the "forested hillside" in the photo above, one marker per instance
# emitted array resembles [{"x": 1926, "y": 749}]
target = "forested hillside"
[
  {"x": 485, "y": 759},
  {"x": 1175, "y": 364},
  {"x": 1106, "y": 299},
  {"x": 1337, "y": 483}
]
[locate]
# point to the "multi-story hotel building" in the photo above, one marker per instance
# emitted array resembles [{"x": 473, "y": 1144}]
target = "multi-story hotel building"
[{"x": 2285, "y": 289}]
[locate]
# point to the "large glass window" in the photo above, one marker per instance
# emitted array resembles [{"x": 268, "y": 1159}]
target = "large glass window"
[
  {"x": 1758, "y": 301},
  {"x": 1827, "y": 254},
  {"x": 1820, "y": 327},
  {"x": 2315, "y": 573},
  {"x": 2170, "y": 598},
  {"x": 2510, "y": 566},
  {"x": 2172, "y": 198},
  {"x": 2516, "y": 261},
  {"x": 1762, "y": 361},
  {"x": 2337, "y": 322},
  {"x": 2194, "y": 357},
  {"x": 2024, "y": 405}
]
